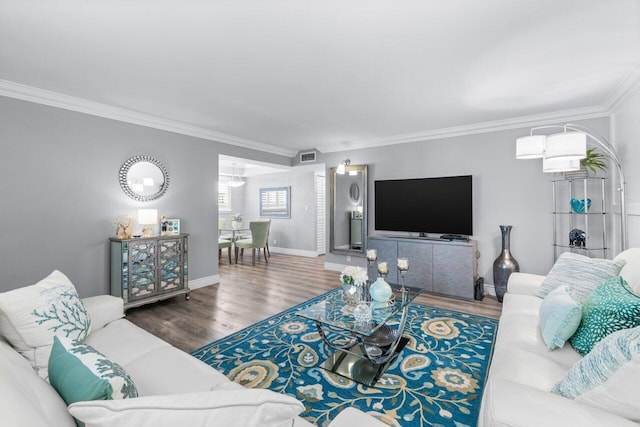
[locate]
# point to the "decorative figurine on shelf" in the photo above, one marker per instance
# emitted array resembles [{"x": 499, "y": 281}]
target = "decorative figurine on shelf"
[
  {"x": 124, "y": 226},
  {"x": 164, "y": 223},
  {"x": 577, "y": 238},
  {"x": 580, "y": 206}
]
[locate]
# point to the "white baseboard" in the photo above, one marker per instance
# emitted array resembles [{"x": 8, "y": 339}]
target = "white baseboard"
[
  {"x": 489, "y": 289},
  {"x": 334, "y": 267},
  {"x": 204, "y": 281},
  {"x": 297, "y": 252}
]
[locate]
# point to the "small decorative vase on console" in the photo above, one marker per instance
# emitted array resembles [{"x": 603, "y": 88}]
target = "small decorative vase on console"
[{"x": 505, "y": 264}]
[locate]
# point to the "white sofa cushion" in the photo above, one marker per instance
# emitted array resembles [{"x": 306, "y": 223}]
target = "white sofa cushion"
[
  {"x": 27, "y": 399},
  {"x": 103, "y": 309},
  {"x": 247, "y": 408},
  {"x": 123, "y": 342},
  {"x": 187, "y": 374},
  {"x": 580, "y": 273},
  {"x": 78, "y": 372},
  {"x": 32, "y": 315},
  {"x": 521, "y": 304},
  {"x": 524, "y": 283},
  {"x": 521, "y": 331},
  {"x": 508, "y": 404},
  {"x": 523, "y": 367},
  {"x": 607, "y": 377},
  {"x": 560, "y": 316},
  {"x": 631, "y": 270},
  {"x": 142, "y": 355}
]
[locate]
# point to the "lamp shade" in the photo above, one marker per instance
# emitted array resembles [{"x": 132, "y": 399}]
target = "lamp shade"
[
  {"x": 147, "y": 216},
  {"x": 567, "y": 145},
  {"x": 560, "y": 165},
  {"x": 340, "y": 169},
  {"x": 530, "y": 147}
]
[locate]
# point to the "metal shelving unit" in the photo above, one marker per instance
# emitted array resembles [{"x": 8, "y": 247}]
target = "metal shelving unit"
[{"x": 592, "y": 221}]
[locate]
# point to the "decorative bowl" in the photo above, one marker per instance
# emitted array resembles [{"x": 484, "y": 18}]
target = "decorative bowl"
[
  {"x": 578, "y": 205},
  {"x": 383, "y": 336}
]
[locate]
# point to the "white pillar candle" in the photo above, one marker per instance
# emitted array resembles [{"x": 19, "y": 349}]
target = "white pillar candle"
[
  {"x": 372, "y": 254},
  {"x": 383, "y": 268},
  {"x": 403, "y": 263}
]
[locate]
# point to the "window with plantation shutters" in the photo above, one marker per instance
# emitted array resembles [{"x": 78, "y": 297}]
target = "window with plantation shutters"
[
  {"x": 224, "y": 198},
  {"x": 275, "y": 202}
]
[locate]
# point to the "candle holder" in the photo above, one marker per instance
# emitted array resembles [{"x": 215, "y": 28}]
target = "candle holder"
[
  {"x": 383, "y": 270},
  {"x": 372, "y": 256},
  {"x": 403, "y": 267}
]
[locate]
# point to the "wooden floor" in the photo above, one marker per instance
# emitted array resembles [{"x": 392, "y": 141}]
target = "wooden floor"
[{"x": 247, "y": 294}]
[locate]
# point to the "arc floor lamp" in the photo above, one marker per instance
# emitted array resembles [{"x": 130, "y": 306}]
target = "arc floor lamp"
[{"x": 562, "y": 152}]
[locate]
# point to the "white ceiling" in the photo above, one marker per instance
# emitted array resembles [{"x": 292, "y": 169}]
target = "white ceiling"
[{"x": 281, "y": 76}]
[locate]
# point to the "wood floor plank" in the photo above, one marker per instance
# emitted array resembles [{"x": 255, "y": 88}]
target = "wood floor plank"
[{"x": 247, "y": 294}]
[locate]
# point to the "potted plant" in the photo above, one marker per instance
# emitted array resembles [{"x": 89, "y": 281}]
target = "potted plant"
[
  {"x": 594, "y": 161},
  {"x": 236, "y": 221}
]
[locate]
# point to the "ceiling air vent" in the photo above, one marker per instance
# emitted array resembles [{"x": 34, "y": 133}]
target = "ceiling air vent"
[{"x": 309, "y": 156}]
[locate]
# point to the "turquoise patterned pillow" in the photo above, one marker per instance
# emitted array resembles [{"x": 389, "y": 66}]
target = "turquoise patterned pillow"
[
  {"x": 559, "y": 317},
  {"x": 580, "y": 273},
  {"x": 607, "y": 376},
  {"x": 78, "y": 373},
  {"x": 611, "y": 306}
]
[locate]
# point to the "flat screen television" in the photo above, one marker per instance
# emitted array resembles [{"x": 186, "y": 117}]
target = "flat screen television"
[{"x": 425, "y": 205}]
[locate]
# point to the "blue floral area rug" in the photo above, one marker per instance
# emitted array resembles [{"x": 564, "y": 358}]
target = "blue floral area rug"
[{"x": 437, "y": 379}]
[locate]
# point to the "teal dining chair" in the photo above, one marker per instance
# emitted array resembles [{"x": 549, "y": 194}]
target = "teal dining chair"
[{"x": 258, "y": 240}]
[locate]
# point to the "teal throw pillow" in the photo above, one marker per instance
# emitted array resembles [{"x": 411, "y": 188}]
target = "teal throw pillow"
[
  {"x": 78, "y": 373},
  {"x": 606, "y": 377},
  {"x": 611, "y": 306},
  {"x": 580, "y": 273},
  {"x": 560, "y": 316}
]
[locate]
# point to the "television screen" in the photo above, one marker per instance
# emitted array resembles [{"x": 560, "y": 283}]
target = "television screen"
[{"x": 426, "y": 205}]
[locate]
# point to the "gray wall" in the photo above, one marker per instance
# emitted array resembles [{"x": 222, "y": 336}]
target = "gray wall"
[
  {"x": 505, "y": 190},
  {"x": 60, "y": 193},
  {"x": 626, "y": 139},
  {"x": 299, "y": 231}
]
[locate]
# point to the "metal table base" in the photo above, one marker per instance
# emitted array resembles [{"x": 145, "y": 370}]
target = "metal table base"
[{"x": 355, "y": 365}]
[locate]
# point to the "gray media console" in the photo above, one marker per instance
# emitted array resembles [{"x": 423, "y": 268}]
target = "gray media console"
[{"x": 442, "y": 267}]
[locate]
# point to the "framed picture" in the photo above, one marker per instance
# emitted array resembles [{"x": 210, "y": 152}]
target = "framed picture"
[
  {"x": 275, "y": 202},
  {"x": 170, "y": 227}
]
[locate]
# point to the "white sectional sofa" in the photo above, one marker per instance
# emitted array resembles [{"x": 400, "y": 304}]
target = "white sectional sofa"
[
  {"x": 193, "y": 392},
  {"x": 523, "y": 371}
]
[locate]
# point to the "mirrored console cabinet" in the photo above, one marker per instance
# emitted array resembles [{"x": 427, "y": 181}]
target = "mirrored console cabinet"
[{"x": 149, "y": 269}]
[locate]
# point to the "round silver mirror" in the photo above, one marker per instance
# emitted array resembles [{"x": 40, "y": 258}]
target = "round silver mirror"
[
  {"x": 143, "y": 178},
  {"x": 354, "y": 193}
]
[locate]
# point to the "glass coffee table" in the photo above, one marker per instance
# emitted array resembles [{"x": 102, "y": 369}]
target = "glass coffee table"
[{"x": 362, "y": 350}]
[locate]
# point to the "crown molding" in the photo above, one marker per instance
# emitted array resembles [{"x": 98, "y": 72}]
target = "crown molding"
[
  {"x": 476, "y": 128},
  {"x": 54, "y": 99},
  {"x": 624, "y": 91},
  {"x": 616, "y": 99}
]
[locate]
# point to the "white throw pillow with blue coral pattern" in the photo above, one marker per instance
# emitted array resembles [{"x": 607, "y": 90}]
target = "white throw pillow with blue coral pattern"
[{"x": 31, "y": 316}]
